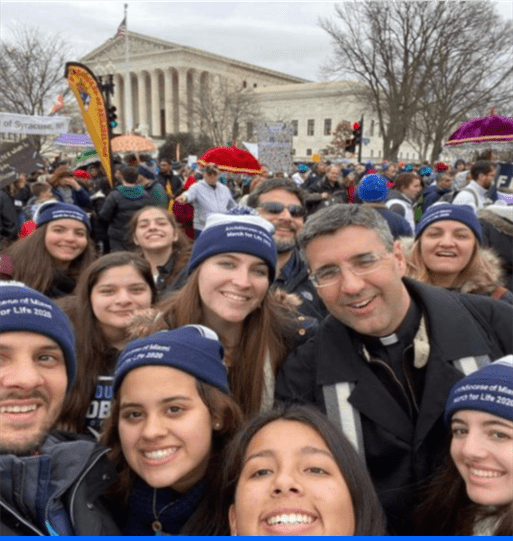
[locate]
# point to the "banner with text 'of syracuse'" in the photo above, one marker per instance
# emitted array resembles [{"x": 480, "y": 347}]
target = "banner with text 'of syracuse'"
[{"x": 90, "y": 99}]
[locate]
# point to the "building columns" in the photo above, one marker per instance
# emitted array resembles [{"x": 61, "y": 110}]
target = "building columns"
[
  {"x": 155, "y": 104},
  {"x": 182, "y": 100},
  {"x": 143, "y": 99},
  {"x": 168, "y": 100}
]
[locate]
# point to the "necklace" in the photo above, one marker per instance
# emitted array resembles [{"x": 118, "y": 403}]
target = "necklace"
[{"x": 156, "y": 525}]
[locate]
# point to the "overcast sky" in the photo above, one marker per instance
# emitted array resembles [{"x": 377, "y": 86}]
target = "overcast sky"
[{"x": 283, "y": 36}]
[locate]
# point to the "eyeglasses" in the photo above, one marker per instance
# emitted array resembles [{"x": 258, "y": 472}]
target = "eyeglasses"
[
  {"x": 360, "y": 265},
  {"x": 275, "y": 207}
]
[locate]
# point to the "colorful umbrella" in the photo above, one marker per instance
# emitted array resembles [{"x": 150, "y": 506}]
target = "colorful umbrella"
[
  {"x": 131, "y": 143},
  {"x": 231, "y": 159},
  {"x": 74, "y": 140},
  {"x": 485, "y": 133}
]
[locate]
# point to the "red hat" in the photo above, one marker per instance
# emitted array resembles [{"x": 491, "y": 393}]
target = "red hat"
[
  {"x": 441, "y": 166},
  {"x": 80, "y": 173},
  {"x": 27, "y": 228}
]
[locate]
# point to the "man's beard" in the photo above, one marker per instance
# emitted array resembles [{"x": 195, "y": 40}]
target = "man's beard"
[
  {"x": 285, "y": 245},
  {"x": 33, "y": 443}
]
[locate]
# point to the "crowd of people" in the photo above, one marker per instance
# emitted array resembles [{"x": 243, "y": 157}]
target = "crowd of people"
[{"x": 322, "y": 351}]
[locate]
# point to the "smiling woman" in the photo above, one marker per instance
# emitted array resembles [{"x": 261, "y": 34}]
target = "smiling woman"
[
  {"x": 51, "y": 259},
  {"x": 231, "y": 269},
  {"x": 473, "y": 492},
  {"x": 171, "y": 419},
  {"x": 291, "y": 472},
  {"x": 447, "y": 252},
  {"x": 108, "y": 294}
]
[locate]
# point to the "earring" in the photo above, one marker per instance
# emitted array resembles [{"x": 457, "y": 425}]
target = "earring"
[{"x": 217, "y": 426}]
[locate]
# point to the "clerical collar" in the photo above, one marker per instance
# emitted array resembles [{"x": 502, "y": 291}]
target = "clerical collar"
[{"x": 405, "y": 333}]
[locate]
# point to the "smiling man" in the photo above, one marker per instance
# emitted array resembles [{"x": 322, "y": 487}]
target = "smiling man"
[
  {"x": 282, "y": 203},
  {"x": 381, "y": 365},
  {"x": 40, "y": 470}
]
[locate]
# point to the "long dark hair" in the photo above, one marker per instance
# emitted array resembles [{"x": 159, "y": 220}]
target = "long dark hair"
[
  {"x": 267, "y": 331},
  {"x": 181, "y": 248},
  {"x": 221, "y": 406},
  {"x": 34, "y": 266},
  {"x": 94, "y": 354},
  {"x": 369, "y": 517},
  {"x": 447, "y": 509}
]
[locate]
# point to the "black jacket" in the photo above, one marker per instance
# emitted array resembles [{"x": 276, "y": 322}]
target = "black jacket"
[
  {"x": 118, "y": 208},
  {"x": 8, "y": 217},
  {"x": 331, "y": 372},
  {"x": 293, "y": 278},
  {"x": 58, "y": 492}
]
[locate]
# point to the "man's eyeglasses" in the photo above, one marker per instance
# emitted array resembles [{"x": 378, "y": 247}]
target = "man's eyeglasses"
[
  {"x": 358, "y": 265},
  {"x": 274, "y": 207}
]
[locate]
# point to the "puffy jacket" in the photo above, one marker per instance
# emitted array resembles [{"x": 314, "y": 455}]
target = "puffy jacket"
[
  {"x": 118, "y": 208},
  {"x": 58, "y": 492},
  {"x": 332, "y": 372}
]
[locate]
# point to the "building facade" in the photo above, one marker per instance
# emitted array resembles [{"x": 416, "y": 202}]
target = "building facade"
[{"x": 155, "y": 81}]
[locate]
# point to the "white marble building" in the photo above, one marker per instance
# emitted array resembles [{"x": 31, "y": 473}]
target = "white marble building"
[{"x": 161, "y": 76}]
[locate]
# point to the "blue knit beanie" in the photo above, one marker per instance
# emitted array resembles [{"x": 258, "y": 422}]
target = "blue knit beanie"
[
  {"x": 55, "y": 210},
  {"x": 489, "y": 389},
  {"x": 373, "y": 188},
  {"x": 25, "y": 309},
  {"x": 246, "y": 234},
  {"x": 448, "y": 211},
  {"x": 194, "y": 349},
  {"x": 145, "y": 172},
  {"x": 302, "y": 168}
]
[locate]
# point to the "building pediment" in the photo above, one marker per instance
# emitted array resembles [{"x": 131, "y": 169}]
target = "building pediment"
[{"x": 114, "y": 49}]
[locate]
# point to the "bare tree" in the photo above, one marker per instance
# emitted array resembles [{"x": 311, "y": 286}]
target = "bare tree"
[
  {"x": 31, "y": 71},
  {"x": 396, "y": 48},
  {"x": 219, "y": 110}
]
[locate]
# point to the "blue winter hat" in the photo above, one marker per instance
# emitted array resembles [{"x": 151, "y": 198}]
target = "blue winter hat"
[
  {"x": 490, "y": 389},
  {"x": 373, "y": 188},
  {"x": 448, "y": 211},
  {"x": 25, "y": 309},
  {"x": 194, "y": 349},
  {"x": 56, "y": 210},
  {"x": 302, "y": 168},
  {"x": 145, "y": 172},
  {"x": 246, "y": 234}
]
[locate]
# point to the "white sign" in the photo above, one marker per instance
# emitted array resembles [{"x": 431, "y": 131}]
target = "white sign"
[{"x": 33, "y": 125}]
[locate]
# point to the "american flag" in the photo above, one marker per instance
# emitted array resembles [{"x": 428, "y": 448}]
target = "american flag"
[{"x": 121, "y": 29}]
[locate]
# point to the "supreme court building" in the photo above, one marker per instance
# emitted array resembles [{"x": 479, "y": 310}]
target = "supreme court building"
[{"x": 159, "y": 77}]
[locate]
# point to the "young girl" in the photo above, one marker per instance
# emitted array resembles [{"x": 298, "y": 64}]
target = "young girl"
[
  {"x": 108, "y": 294},
  {"x": 171, "y": 419},
  {"x": 231, "y": 269},
  {"x": 51, "y": 259},
  {"x": 447, "y": 252},
  {"x": 162, "y": 242},
  {"x": 473, "y": 493},
  {"x": 291, "y": 472}
]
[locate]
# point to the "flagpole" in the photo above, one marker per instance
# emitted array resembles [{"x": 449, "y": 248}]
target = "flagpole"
[{"x": 128, "y": 81}]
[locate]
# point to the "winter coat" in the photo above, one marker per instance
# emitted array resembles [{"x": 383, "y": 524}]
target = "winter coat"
[
  {"x": 8, "y": 217},
  {"x": 59, "y": 491},
  {"x": 336, "y": 194},
  {"x": 491, "y": 285},
  {"x": 118, "y": 208},
  {"x": 332, "y": 372},
  {"x": 157, "y": 194},
  {"x": 400, "y": 204},
  {"x": 497, "y": 226},
  {"x": 62, "y": 284},
  {"x": 293, "y": 278},
  {"x": 431, "y": 195},
  {"x": 78, "y": 197}
]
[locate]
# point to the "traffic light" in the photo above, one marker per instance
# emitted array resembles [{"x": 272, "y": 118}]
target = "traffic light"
[
  {"x": 350, "y": 146},
  {"x": 357, "y": 133},
  {"x": 113, "y": 116}
]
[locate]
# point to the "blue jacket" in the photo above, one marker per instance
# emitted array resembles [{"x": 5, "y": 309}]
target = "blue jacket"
[{"x": 57, "y": 492}]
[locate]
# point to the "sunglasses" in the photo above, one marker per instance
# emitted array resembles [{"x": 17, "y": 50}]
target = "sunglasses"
[{"x": 274, "y": 207}]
